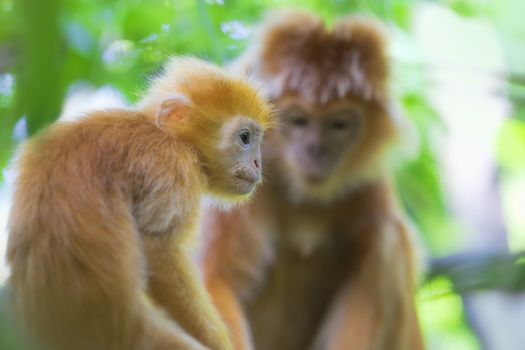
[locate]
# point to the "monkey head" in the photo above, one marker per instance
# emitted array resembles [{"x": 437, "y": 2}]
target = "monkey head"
[
  {"x": 317, "y": 139},
  {"x": 330, "y": 89},
  {"x": 239, "y": 153},
  {"x": 222, "y": 116}
]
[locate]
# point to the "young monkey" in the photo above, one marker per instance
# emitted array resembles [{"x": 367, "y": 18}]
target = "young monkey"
[{"x": 104, "y": 208}]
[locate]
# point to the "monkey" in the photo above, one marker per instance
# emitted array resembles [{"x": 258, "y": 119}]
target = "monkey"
[
  {"x": 105, "y": 208},
  {"x": 322, "y": 257}
]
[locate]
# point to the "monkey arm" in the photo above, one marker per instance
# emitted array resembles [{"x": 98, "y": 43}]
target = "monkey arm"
[
  {"x": 175, "y": 286},
  {"x": 375, "y": 309},
  {"x": 230, "y": 308},
  {"x": 235, "y": 253}
]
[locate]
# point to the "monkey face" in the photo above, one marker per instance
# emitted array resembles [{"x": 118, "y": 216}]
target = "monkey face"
[
  {"x": 240, "y": 156},
  {"x": 317, "y": 140}
]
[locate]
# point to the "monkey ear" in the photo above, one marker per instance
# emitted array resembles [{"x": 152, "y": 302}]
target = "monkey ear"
[{"x": 176, "y": 106}]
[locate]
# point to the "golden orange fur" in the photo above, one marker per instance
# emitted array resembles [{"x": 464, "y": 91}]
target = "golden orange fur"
[
  {"x": 286, "y": 56},
  {"x": 327, "y": 264},
  {"x": 104, "y": 208}
]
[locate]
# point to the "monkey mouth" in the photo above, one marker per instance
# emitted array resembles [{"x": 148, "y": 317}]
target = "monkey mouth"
[
  {"x": 247, "y": 178},
  {"x": 244, "y": 184},
  {"x": 314, "y": 173},
  {"x": 315, "y": 179}
]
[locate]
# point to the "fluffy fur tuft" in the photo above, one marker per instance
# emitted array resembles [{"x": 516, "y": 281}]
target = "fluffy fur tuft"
[
  {"x": 294, "y": 52},
  {"x": 215, "y": 92}
]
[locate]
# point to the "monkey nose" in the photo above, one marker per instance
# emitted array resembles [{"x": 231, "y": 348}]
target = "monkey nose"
[
  {"x": 256, "y": 164},
  {"x": 316, "y": 150}
]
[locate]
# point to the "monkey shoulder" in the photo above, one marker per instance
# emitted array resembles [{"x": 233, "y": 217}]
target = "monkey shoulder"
[{"x": 104, "y": 151}]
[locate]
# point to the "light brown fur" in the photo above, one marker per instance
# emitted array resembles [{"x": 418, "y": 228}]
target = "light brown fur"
[
  {"x": 104, "y": 209},
  {"x": 327, "y": 265}
]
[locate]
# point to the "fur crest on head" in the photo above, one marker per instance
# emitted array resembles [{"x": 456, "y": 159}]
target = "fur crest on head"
[{"x": 294, "y": 52}]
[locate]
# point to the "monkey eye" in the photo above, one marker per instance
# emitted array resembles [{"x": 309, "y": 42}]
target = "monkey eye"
[
  {"x": 299, "y": 121},
  {"x": 245, "y": 137},
  {"x": 339, "y": 125}
]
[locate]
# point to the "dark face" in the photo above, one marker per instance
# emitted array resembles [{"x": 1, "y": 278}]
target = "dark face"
[{"x": 317, "y": 139}]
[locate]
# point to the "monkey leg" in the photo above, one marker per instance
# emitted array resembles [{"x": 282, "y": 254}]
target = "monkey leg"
[
  {"x": 375, "y": 310},
  {"x": 236, "y": 251},
  {"x": 80, "y": 285},
  {"x": 175, "y": 287}
]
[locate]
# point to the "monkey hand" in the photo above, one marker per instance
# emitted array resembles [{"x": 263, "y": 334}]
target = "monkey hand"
[{"x": 219, "y": 337}]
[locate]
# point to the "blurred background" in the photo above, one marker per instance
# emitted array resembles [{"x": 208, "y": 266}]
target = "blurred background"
[{"x": 458, "y": 71}]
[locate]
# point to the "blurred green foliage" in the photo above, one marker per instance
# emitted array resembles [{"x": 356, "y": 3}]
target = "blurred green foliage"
[
  {"x": 440, "y": 308},
  {"x": 11, "y": 337},
  {"x": 46, "y": 46}
]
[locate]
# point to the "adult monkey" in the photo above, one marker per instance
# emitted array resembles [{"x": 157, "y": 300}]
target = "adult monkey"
[{"x": 321, "y": 258}]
